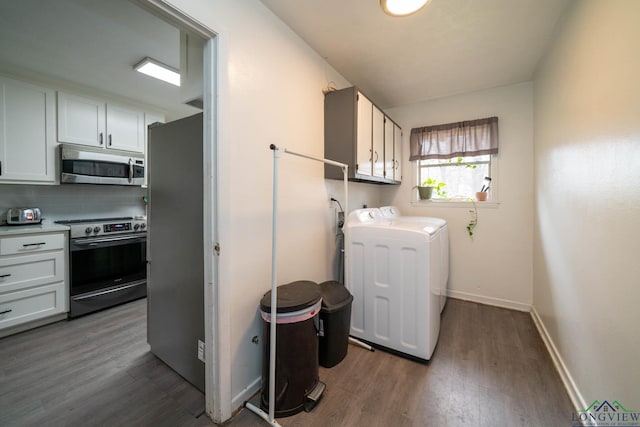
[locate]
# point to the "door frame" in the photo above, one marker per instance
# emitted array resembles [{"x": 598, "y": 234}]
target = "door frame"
[{"x": 216, "y": 311}]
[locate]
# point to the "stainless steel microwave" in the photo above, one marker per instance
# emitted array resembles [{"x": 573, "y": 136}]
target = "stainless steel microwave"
[{"x": 84, "y": 165}]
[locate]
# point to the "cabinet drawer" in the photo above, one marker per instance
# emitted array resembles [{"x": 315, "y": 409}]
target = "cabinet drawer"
[
  {"x": 32, "y": 304},
  {"x": 31, "y": 243},
  {"x": 21, "y": 272}
]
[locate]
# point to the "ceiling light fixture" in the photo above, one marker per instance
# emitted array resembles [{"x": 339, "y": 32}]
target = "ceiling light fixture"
[
  {"x": 402, "y": 7},
  {"x": 153, "y": 68}
]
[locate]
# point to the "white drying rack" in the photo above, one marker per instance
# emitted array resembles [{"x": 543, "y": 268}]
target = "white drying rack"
[{"x": 270, "y": 417}]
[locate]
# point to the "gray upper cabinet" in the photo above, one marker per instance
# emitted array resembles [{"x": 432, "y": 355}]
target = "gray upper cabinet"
[{"x": 358, "y": 133}]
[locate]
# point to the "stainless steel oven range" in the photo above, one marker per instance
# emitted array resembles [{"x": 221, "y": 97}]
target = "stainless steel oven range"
[{"x": 107, "y": 263}]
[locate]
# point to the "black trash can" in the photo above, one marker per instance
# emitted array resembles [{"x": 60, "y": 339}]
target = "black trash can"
[
  {"x": 297, "y": 384},
  {"x": 335, "y": 321}
]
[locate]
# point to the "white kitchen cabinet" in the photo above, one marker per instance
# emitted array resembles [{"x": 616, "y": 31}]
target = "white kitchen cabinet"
[
  {"x": 87, "y": 121},
  {"x": 377, "y": 142},
  {"x": 125, "y": 128},
  {"x": 364, "y": 147},
  {"x": 27, "y": 133},
  {"x": 81, "y": 120},
  {"x": 397, "y": 153},
  {"x": 388, "y": 148},
  {"x": 355, "y": 134},
  {"x": 33, "y": 280}
]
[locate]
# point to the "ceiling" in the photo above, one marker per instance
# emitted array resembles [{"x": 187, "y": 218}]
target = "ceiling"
[
  {"x": 449, "y": 47},
  {"x": 93, "y": 44}
]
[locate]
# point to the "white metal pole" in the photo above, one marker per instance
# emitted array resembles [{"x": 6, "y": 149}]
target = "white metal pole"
[
  {"x": 345, "y": 176},
  {"x": 274, "y": 290},
  {"x": 270, "y": 417}
]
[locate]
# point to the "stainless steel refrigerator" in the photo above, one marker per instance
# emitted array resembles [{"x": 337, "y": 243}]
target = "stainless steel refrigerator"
[{"x": 175, "y": 270}]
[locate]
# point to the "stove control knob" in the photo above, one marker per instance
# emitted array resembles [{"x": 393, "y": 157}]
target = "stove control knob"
[
  {"x": 96, "y": 229},
  {"x": 88, "y": 230},
  {"x": 135, "y": 227},
  {"x": 143, "y": 226}
]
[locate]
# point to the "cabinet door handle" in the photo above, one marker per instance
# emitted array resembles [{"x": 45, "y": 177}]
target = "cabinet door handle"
[
  {"x": 370, "y": 154},
  {"x": 2, "y": 276},
  {"x": 5, "y": 312},
  {"x": 26, "y": 245},
  {"x": 376, "y": 156},
  {"x": 0, "y": 168},
  {"x": 109, "y": 140},
  {"x": 101, "y": 138}
]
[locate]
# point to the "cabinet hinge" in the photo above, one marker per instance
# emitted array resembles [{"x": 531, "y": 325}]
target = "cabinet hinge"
[{"x": 217, "y": 249}]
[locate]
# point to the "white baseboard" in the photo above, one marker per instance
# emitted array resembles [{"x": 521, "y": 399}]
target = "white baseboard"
[
  {"x": 238, "y": 400},
  {"x": 497, "y": 302},
  {"x": 574, "y": 394}
]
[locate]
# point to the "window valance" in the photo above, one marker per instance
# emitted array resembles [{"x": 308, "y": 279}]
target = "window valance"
[{"x": 460, "y": 139}]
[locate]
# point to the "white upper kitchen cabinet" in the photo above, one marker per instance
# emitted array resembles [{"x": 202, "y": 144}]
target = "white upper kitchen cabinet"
[
  {"x": 377, "y": 141},
  {"x": 27, "y": 133},
  {"x": 88, "y": 121},
  {"x": 388, "y": 148},
  {"x": 364, "y": 159},
  {"x": 125, "y": 128},
  {"x": 81, "y": 120},
  {"x": 397, "y": 153}
]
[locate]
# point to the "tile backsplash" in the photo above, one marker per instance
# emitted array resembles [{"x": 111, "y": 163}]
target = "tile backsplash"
[{"x": 73, "y": 201}]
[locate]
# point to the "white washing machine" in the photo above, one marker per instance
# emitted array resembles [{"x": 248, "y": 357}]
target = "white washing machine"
[
  {"x": 393, "y": 274},
  {"x": 442, "y": 244}
]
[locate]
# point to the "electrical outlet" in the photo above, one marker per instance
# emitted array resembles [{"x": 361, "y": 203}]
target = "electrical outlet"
[{"x": 201, "y": 351}]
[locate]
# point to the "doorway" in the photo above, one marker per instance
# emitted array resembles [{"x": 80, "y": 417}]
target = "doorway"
[{"x": 71, "y": 55}]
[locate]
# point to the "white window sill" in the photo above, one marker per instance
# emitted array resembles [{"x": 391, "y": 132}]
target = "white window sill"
[{"x": 434, "y": 203}]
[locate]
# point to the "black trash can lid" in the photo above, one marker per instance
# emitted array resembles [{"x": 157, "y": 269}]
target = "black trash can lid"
[
  {"x": 294, "y": 296},
  {"x": 334, "y": 296}
]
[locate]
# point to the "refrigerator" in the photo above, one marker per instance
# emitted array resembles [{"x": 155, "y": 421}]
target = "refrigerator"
[{"x": 175, "y": 246}]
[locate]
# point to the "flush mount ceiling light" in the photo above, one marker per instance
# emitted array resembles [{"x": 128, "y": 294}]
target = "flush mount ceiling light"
[
  {"x": 153, "y": 68},
  {"x": 402, "y": 7}
]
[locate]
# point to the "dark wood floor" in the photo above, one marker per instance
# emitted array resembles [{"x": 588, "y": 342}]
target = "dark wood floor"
[
  {"x": 490, "y": 369},
  {"x": 96, "y": 370}
]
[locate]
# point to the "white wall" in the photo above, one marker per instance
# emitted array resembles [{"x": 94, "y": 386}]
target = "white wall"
[
  {"x": 270, "y": 91},
  {"x": 587, "y": 179},
  {"x": 495, "y": 266},
  {"x": 73, "y": 201}
]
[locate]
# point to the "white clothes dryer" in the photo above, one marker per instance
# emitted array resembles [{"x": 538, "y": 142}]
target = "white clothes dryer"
[
  {"x": 392, "y": 272},
  {"x": 442, "y": 244}
]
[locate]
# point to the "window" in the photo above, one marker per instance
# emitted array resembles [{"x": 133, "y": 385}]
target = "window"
[
  {"x": 455, "y": 158},
  {"x": 458, "y": 178}
]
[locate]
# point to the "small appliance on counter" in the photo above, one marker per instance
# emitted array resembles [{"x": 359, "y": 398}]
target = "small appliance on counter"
[{"x": 22, "y": 216}]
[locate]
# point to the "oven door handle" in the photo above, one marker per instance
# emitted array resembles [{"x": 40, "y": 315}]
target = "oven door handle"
[
  {"x": 108, "y": 291},
  {"x": 98, "y": 240}
]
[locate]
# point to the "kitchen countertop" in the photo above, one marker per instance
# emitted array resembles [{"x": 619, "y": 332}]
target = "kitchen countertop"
[{"x": 44, "y": 227}]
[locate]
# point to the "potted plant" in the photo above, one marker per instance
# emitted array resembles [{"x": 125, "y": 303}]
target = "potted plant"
[{"x": 425, "y": 190}]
